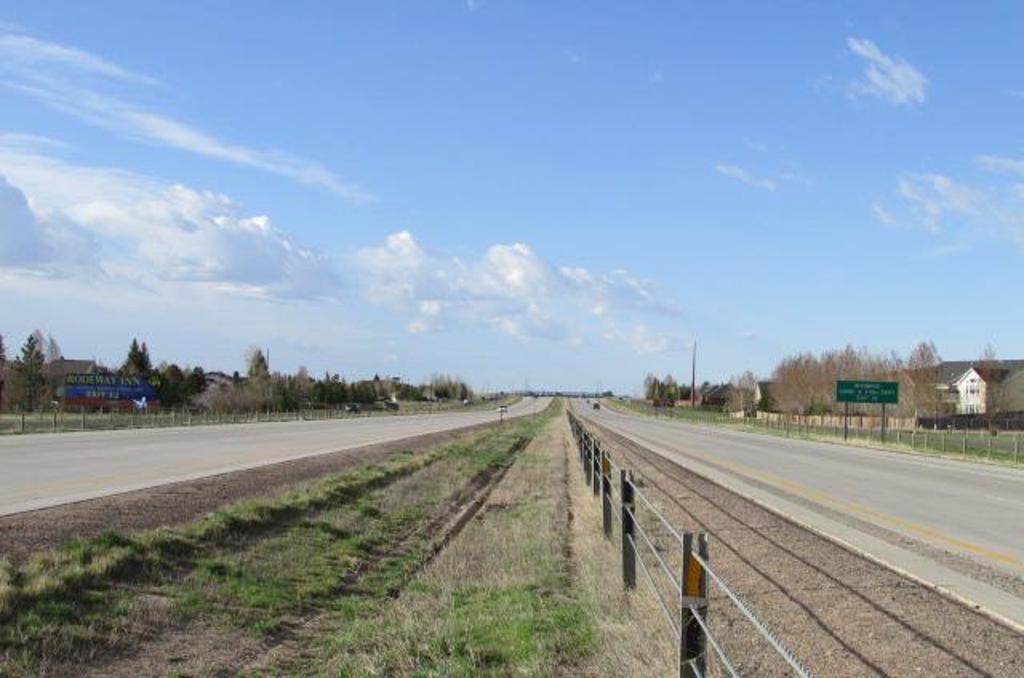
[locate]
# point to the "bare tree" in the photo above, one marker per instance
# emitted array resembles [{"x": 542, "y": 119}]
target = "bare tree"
[
  {"x": 741, "y": 397},
  {"x": 51, "y": 349},
  {"x": 992, "y": 371},
  {"x": 922, "y": 376}
]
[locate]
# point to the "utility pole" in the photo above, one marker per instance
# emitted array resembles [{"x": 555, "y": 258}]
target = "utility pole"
[{"x": 693, "y": 378}]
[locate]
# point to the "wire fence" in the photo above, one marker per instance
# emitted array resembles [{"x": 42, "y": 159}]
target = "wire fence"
[
  {"x": 61, "y": 420},
  {"x": 675, "y": 564}
]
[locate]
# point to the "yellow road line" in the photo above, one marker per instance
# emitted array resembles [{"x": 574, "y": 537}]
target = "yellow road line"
[{"x": 871, "y": 515}]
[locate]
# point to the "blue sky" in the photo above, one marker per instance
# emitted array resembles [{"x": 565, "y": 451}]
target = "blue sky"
[{"x": 532, "y": 192}]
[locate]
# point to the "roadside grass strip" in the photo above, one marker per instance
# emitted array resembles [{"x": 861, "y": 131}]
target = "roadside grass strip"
[
  {"x": 254, "y": 566},
  {"x": 499, "y": 600}
]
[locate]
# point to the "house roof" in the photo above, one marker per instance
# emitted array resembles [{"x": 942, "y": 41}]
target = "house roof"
[
  {"x": 62, "y": 367},
  {"x": 717, "y": 392},
  {"x": 992, "y": 375},
  {"x": 950, "y": 371}
]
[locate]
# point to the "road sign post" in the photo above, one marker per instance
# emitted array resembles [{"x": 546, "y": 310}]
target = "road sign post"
[{"x": 866, "y": 392}]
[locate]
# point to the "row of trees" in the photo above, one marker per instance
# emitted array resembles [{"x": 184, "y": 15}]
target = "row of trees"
[
  {"x": 805, "y": 383},
  {"x": 29, "y": 382},
  {"x": 261, "y": 389}
]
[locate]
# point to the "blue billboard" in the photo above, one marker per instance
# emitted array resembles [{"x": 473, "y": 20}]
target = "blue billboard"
[{"x": 104, "y": 390}]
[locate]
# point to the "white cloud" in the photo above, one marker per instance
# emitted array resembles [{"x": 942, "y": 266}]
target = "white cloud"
[
  {"x": 933, "y": 196},
  {"x": 884, "y": 215},
  {"x": 510, "y": 289},
  {"x": 641, "y": 338},
  {"x": 944, "y": 205},
  {"x": 49, "y": 72},
  {"x": 26, "y": 51},
  {"x": 1001, "y": 164},
  {"x": 24, "y": 241},
  {"x": 888, "y": 78},
  {"x": 745, "y": 176},
  {"x": 123, "y": 226}
]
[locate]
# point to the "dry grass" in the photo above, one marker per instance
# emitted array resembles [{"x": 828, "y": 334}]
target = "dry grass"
[
  {"x": 498, "y": 601},
  {"x": 635, "y": 639}
]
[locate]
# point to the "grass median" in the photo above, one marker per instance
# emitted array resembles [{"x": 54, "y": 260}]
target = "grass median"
[
  {"x": 243, "y": 575},
  {"x": 499, "y": 600}
]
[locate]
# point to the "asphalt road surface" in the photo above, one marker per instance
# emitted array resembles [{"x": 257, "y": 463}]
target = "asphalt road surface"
[
  {"x": 44, "y": 470},
  {"x": 966, "y": 509}
]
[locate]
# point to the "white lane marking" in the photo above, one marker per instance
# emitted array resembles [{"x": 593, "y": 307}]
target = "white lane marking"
[{"x": 1012, "y": 502}]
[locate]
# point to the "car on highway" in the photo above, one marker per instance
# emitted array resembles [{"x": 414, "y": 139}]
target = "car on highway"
[{"x": 597, "y": 406}]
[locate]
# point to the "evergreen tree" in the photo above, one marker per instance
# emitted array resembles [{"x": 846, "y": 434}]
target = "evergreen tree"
[
  {"x": 3, "y": 365},
  {"x": 256, "y": 364},
  {"x": 29, "y": 373},
  {"x": 137, "y": 364}
]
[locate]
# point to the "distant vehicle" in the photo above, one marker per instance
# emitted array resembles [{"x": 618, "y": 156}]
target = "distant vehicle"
[
  {"x": 353, "y": 408},
  {"x": 391, "y": 405},
  {"x": 597, "y": 406}
]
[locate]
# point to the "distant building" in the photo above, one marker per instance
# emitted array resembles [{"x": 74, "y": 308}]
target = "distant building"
[
  {"x": 973, "y": 387},
  {"x": 61, "y": 367},
  {"x": 717, "y": 395}
]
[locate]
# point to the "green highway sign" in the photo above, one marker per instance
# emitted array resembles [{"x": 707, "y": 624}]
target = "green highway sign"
[{"x": 884, "y": 392}]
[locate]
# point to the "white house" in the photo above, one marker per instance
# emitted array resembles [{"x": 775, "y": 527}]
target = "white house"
[
  {"x": 971, "y": 390},
  {"x": 980, "y": 388}
]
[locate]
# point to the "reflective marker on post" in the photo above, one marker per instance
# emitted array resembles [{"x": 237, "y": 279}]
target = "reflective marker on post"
[{"x": 692, "y": 643}]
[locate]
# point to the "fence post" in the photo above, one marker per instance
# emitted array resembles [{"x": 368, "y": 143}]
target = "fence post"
[
  {"x": 597, "y": 461},
  {"x": 694, "y": 587},
  {"x": 54, "y": 420},
  {"x": 606, "y": 495},
  {"x": 588, "y": 464},
  {"x": 965, "y": 444},
  {"x": 628, "y": 531}
]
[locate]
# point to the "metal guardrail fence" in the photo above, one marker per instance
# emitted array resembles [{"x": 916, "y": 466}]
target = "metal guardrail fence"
[{"x": 678, "y": 575}]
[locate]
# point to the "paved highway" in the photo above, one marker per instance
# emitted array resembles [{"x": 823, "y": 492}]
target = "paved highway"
[
  {"x": 967, "y": 509},
  {"x": 43, "y": 470}
]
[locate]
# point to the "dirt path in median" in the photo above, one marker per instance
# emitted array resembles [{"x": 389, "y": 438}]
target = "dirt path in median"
[{"x": 24, "y": 533}]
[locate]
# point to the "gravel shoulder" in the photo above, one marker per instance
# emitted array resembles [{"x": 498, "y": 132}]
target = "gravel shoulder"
[{"x": 843, "y": 614}]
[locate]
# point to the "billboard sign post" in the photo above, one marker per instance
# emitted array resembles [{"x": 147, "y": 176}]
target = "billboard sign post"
[{"x": 868, "y": 392}]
